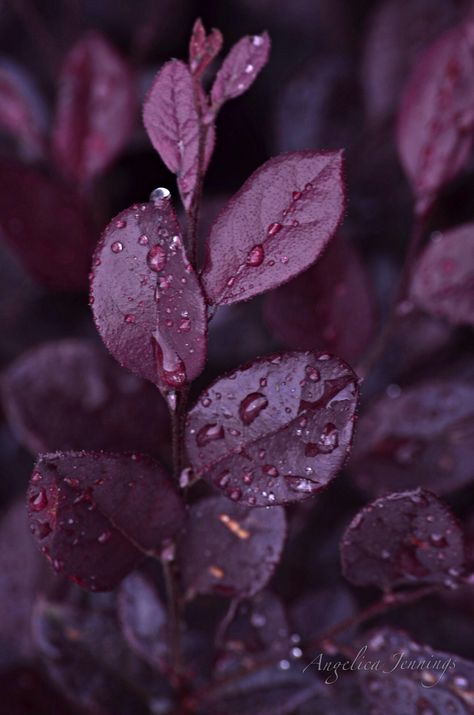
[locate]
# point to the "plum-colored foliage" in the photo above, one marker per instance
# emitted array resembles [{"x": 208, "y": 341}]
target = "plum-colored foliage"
[
  {"x": 251, "y": 471},
  {"x": 96, "y": 515},
  {"x": 147, "y": 301},
  {"x": 284, "y": 437},
  {"x": 95, "y": 108},
  {"x": 443, "y": 281},
  {"x": 276, "y": 225},
  {"x": 403, "y": 538}
]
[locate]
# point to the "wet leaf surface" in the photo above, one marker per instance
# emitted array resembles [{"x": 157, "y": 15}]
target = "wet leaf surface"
[
  {"x": 274, "y": 431},
  {"x": 240, "y": 68}
]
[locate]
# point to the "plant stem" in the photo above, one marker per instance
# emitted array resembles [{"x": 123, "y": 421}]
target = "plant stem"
[
  {"x": 380, "y": 343},
  {"x": 178, "y": 419}
]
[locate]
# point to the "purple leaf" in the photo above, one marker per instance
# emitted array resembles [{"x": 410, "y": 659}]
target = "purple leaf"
[
  {"x": 271, "y": 691},
  {"x": 240, "y": 68},
  {"x": 147, "y": 302},
  {"x": 47, "y": 226},
  {"x": 275, "y": 226},
  {"x": 95, "y": 110},
  {"x": 228, "y": 549},
  {"x": 106, "y": 407},
  {"x": 143, "y": 618},
  {"x": 96, "y": 515},
  {"x": 443, "y": 280},
  {"x": 330, "y": 306},
  {"x": 172, "y": 118},
  {"x": 436, "y": 120},
  {"x": 401, "y": 539},
  {"x": 422, "y": 436},
  {"x": 274, "y": 431},
  {"x": 316, "y": 612},
  {"x": 22, "y": 111},
  {"x": 20, "y": 570},
  {"x": 85, "y": 657},
  {"x": 414, "y": 679},
  {"x": 203, "y": 48}
]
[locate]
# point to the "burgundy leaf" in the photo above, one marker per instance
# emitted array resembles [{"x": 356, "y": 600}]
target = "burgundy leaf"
[
  {"x": 275, "y": 226},
  {"x": 403, "y": 538},
  {"x": 20, "y": 569},
  {"x": 330, "y": 306},
  {"x": 443, "y": 281},
  {"x": 85, "y": 657},
  {"x": 95, "y": 109},
  {"x": 172, "y": 118},
  {"x": 240, "y": 68},
  {"x": 420, "y": 436},
  {"x": 274, "y": 431},
  {"x": 316, "y": 612},
  {"x": 280, "y": 690},
  {"x": 258, "y": 631},
  {"x": 22, "y": 111},
  {"x": 436, "y": 121},
  {"x": 398, "y": 31},
  {"x": 203, "y": 47},
  {"x": 47, "y": 226},
  {"x": 71, "y": 395},
  {"x": 414, "y": 679},
  {"x": 147, "y": 302},
  {"x": 143, "y": 618},
  {"x": 96, "y": 515},
  {"x": 228, "y": 549}
]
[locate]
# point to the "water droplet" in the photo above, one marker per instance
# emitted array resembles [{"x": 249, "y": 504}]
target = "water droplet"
[
  {"x": 39, "y": 501},
  {"x": 185, "y": 477},
  {"x": 156, "y": 258},
  {"x": 249, "y": 69},
  {"x": 185, "y": 325},
  {"x": 274, "y": 228},
  {"x": 257, "y": 41},
  {"x": 329, "y": 439},
  {"x": 235, "y": 494},
  {"x": 313, "y": 373},
  {"x": 143, "y": 240},
  {"x": 36, "y": 477},
  {"x": 160, "y": 194},
  {"x": 297, "y": 195},
  {"x": 247, "y": 477},
  {"x": 120, "y": 223},
  {"x": 209, "y": 433},
  {"x": 169, "y": 365},
  {"x": 255, "y": 256},
  {"x": 438, "y": 540},
  {"x": 251, "y": 406},
  {"x": 223, "y": 479},
  {"x": 130, "y": 318},
  {"x": 116, "y": 247},
  {"x": 270, "y": 469},
  {"x": 104, "y": 537}
]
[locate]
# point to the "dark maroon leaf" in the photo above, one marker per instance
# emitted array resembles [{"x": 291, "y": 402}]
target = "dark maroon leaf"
[
  {"x": 95, "y": 110},
  {"x": 403, "y": 538},
  {"x": 240, "y": 68},
  {"x": 86, "y": 658},
  {"x": 22, "y": 111},
  {"x": 228, "y": 549},
  {"x": 273, "y": 691},
  {"x": 143, "y": 618},
  {"x": 398, "y": 31},
  {"x": 47, "y": 226},
  {"x": 436, "y": 120},
  {"x": 96, "y": 515},
  {"x": 20, "y": 568},
  {"x": 258, "y": 631},
  {"x": 443, "y": 281},
  {"x": 330, "y": 306},
  {"x": 147, "y": 301},
  {"x": 70, "y": 395},
  {"x": 431, "y": 683},
  {"x": 275, "y": 226},
  {"x": 421, "y": 436},
  {"x": 274, "y": 431},
  {"x": 203, "y": 47},
  {"x": 171, "y": 115}
]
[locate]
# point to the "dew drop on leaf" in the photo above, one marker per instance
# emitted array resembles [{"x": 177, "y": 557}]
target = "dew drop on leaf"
[
  {"x": 255, "y": 256},
  {"x": 116, "y": 247},
  {"x": 156, "y": 258},
  {"x": 251, "y": 406},
  {"x": 209, "y": 433}
]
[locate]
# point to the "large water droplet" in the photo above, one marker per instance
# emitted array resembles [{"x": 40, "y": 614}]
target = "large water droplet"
[
  {"x": 116, "y": 247},
  {"x": 209, "y": 433},
  {"x": 169, "y": 365},
  {"x": 251, "y": 406},
  {"x": 329, "y": 439},
  {"x": 255, "y": 256},
  {"x": 160, "y": 194},
  {"x": 156, "y": 258},
  {"x": 39, "y": 501}
]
